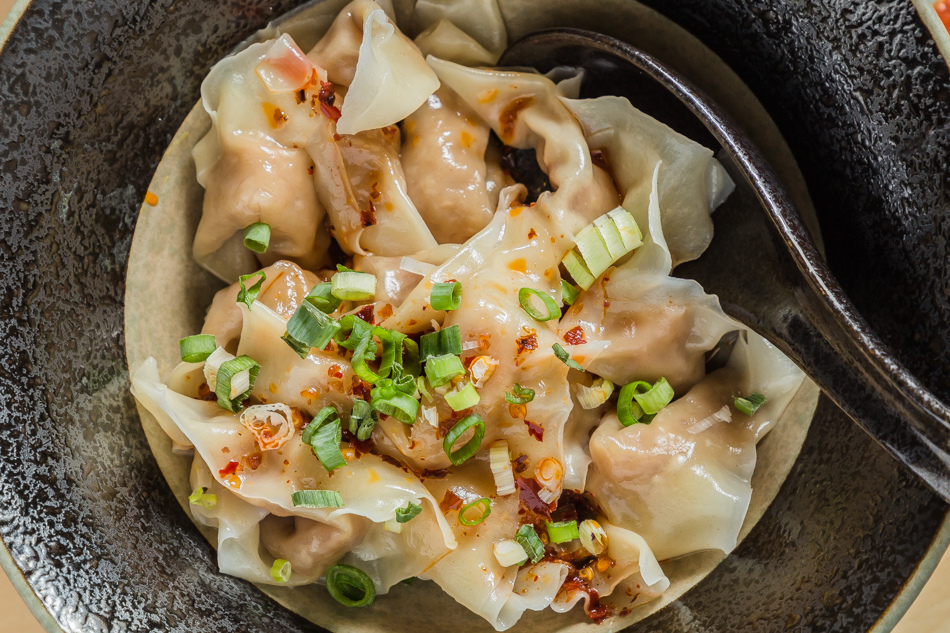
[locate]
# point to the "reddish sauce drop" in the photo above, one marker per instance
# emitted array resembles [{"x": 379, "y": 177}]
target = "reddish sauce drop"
[
  {"x": 366, "y": 313},
  {"x": 229, "y": 470},
  {"x": 528, "y": 495}
]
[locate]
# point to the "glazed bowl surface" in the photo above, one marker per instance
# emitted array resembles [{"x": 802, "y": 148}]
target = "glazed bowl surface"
[{"x": 91, "y": 96}]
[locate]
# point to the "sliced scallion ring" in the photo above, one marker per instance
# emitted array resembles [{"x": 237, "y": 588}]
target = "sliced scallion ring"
[
  {"x": 350, "y": 586},
  {"x": 360, "y": 354},
  {"x": 528, "y": 538},
  {"x": 200, "y": 497},
  {"x": 750, "y": 404},
  {"x": 446, "y": 296},
  {"x": 281, "y": 569},
  {"x": 309, "y": 327},
  {"x": 462, "y": 398},
  {"x": 519, "y": 395},
  {"x": 317, "y": 499},
  {"x": 353, "y": 286},
  {"x": 248, "y": 296},
  {"x": 197, "y": 348},
  {"x": 468, "y": 450},
  {"x": 322, "y": 298},
  {"x": 228, "y": 372},
  {"x": 411, "y": 363},
  {"x": 411, "y": 511},
  {"x": 362, "y": 411},
  {"x": 257, "y": 237},
  {"x": 442, "y": 369},
  {"x": 551, "y": 310},
  {"x": 656, "y": 397},
  {"x": 568, "y": 293},
  {"x": 640, "y": 401},
  {"x": 578, "y": 269},
  {"x": 352, "y": 330},
  {"x": 326, "y": 444},
  {"x": 482, "y": 505},
  {"x": 562, "y": 531},
  {"x": 327, "y": 413},
  {"x": 565, "y": 358},
  {"x": 395, "y": 404}
]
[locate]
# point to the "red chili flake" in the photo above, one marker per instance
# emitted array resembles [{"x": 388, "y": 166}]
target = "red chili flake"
[
  {"x": 374, "y": 191},
  {"x": 509, "y": 115},
  {"x": 230, "y": 469},
  {"x": 437, "y": 473},
  {"x": 337, "y": 138},
  {"x": 301, "y": 418},
  {"x": 528, "y": 495},
  {"x": 361, "y": 447},
  {"x": 594, "y": 609},
  {"x": 327, "y": 93},
  {"x": 331, "y": 112},
  {"x": 368, "y": 216},
  {"x": 390, "y": 132},
  {"x": 528, "y": 341},
  {"x": 520, "y": 464},
  {"x": 411, "y": 322},
  {"x": 450, "y": 501},
  {"x": 536, "y": 430},
  {"x": 366, "y": 313},
  {"x": 310, "y": 169},
  {"x": 335, "y": 371},
  {"x": 532, "y": 234},
  {"x": 254, "y": 460},
  {"x": 386, "y": 311},
  {"x": 517, "y": 411},
  {"x": 575, "y": 336},
  {"x": 300, "y": 96}
]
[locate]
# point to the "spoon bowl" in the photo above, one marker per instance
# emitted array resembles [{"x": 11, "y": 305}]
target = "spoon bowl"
[{"x": 763, "y": 264}]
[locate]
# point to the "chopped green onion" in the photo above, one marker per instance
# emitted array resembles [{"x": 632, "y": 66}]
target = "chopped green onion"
[
  {"x": 462, "y": 455},
  {"x": 197, "y": 348},
  {"x": 247, "y": 296},
  {"x": 520, "y": 395},
  {"x": 484, "y": 503},
  {"x": 411, "y": 363},
  {"x": 352, "y": 331},
  {"x": 649, "y": 400},
  {"x": 326, "y": 444},
  {"x": 340, "y": 268},
  {"x": 448, "y": 340},
  {"x": 353, "y": 286},
  {"x": 592, "y": 248},
  {"x": 317, "y": 499},
  {"x": 552, "y": 311},
  {"x": 327, "y": 413},
  {"x": 611, "y": 236},
  {"x": 463, "y": 398},
  {"x": 531, "y": 542},
  {"x": 411, "y": 511},
  {"x": 568, "y": 293},
  {"x": 257, "y": 237},
  {"x": 323, "y": 298},
  {"x": 577, "y": 269},
  {"x": 403, "y": 381},
  {"x": 400, "y": 406},
  {"x": 230, "y": 371},
  {"x": 324, "y": 434},
  {"x": 392, "y": 349},
  {"x": 446, "y": 296},
  {"x": 562, "y": 531},
  {"x": 627, "y": 227},
  {"x": 565, "y": 358},
  {"x": 309, "y": 327},
  {"x": 200, "y": 497},
  {"x": 595, "y": 395},
  {"x": 360, "y": 354},
  {"x": 365, "y": 419},
  {"x": 750, "y": 404},
  {"x": 281, "y": 569},
  {"x": 442, "y": 369},
  {"x": 350, "y": 586},
  {"x": 655, "y": 398},
  {"x": 421, "y": 386}
]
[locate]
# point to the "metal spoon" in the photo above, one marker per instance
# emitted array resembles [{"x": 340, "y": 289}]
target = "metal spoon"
[{"x": 762, "y": 262}]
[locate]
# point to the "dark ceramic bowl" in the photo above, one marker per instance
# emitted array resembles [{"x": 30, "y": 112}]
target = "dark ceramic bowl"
[{"x": 91, "y": 94}]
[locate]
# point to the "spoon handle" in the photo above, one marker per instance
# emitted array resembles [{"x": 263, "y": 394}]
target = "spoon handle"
[{"x": 750, "y": 266}]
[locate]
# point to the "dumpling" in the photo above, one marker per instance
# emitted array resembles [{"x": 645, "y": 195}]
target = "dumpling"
[
  {"x": 691, "y": 182},
  {"x": 443, "y": 156},
  {"x": 252, "y": 164},
  {"x": 479, "y": 19}
]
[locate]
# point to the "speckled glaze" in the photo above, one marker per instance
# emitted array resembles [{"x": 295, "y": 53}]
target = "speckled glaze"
[{"x": 90, "y": 95}]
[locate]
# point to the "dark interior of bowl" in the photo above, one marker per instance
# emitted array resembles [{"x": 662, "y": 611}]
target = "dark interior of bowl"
[{"x": 90, "y": 95}]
